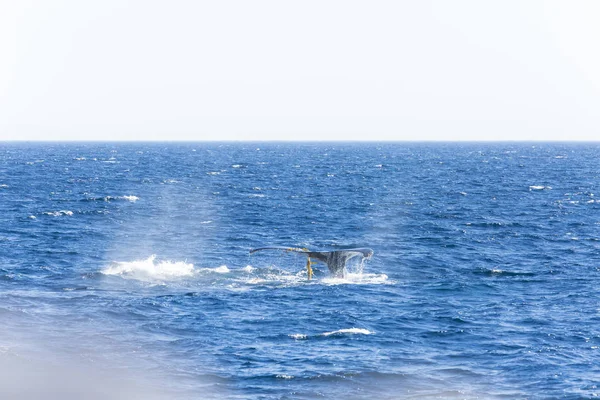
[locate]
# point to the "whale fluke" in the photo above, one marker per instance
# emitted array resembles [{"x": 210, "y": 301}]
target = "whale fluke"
[{"x": 335, "y": 260}]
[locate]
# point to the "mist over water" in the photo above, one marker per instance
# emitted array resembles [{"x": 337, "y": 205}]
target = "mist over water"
[{"x": 125, "y": 271}]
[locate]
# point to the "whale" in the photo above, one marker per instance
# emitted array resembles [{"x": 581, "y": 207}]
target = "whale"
[{"x": 335, "y": 259}]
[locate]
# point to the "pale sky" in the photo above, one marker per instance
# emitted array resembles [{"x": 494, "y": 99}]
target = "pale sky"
[{"x": 299, "y": 70}]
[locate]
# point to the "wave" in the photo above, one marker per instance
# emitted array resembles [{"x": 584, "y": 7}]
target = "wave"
[
  {"x": 539, "y": 187},
  {"x": 107, "y": 199},
  {"x": 339, "y": 332},
  {"x": 298, "y": 336},
  {"x": 59, "y": 213},
  {"x": 501, "y": 272},
  {"x": 132, "y": 199},
  {"x": 349, "y": 331}
]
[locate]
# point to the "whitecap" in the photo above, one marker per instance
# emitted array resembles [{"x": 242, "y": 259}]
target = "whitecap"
[
  {"x": 108, "y": 199},
  {"x": 59, "y": 213},
  {"x": 539, "y": 187},
  {"x": 284, "y": 376},
  {"x": 148, "y": 269},
  {"x": 248, "y": 268},
  {"x": 298, "y": 336},
  {"x": 349, "y": 331},
  {"x": 132, "y": 199},
  {"x": 3, "y": 185}
]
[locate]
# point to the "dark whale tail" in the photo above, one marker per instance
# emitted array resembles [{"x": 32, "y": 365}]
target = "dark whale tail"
[{"x": 336, "y": 260}]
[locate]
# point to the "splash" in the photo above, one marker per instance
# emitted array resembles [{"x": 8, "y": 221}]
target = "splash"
[
  {"x": 358, "y": 279},
  {"x": 223, "y": 269},
  {"x": 149, "y": 269}
]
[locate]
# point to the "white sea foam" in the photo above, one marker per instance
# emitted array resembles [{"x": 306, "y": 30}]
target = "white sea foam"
[
  {"x": 221, "y": 270},
  {"x": 148, "y": 269},
  {"x": 271, "y": 275},
  {"x": 132, "y": 199},
  {"x": 3, "y": 185},
  {"x": 59, "y": 213},
  {"x": 236, "y": 166},
  {"x": 539, "y": 187},
  {"x": 298, "y": 336},
  {"x": 349, "y": 331},
  {"x": 32, "y": 217},
  {"x": 358, "y": 279}
]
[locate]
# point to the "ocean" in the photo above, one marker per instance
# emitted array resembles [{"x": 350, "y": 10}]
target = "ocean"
[{"x": 125, "y": 271}]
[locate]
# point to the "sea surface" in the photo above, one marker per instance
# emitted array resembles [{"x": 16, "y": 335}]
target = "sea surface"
[{"x": 125, "y": 271}]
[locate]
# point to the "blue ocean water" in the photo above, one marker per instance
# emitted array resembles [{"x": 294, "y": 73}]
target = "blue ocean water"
[{"x": 125, "y": 271}]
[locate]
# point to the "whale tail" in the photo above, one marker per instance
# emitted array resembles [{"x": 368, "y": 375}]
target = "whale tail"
[{"x": 335, "y": 260}]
